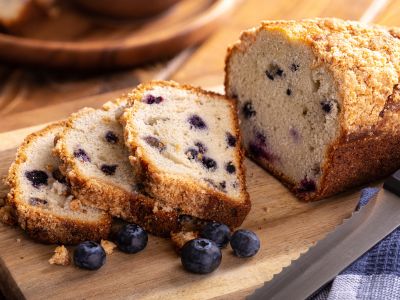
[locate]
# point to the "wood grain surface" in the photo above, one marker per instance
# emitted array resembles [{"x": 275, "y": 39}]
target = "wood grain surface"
[{"x": 286, "y": 228}]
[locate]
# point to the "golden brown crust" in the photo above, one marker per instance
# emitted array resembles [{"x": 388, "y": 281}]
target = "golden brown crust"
[
  {"x": 192, "y": 198},
  {"x": 364, "y": 61},
  {"x": 46, "y": 226},
  {"x": 365, "y": 67},
  {"x": 130, "y": 206}
]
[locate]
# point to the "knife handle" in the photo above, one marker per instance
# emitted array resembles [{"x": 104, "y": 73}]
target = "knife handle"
[{"x": 392, "y": 184}]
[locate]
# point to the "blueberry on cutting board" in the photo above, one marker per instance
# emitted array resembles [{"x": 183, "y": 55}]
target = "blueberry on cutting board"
[
  {"x": 201, "y": 256},
  {"x": 131, "y": 238},
  {"x": 89, "y": 255},
  {"x": 245, "y": 243},
  {"x": 217, "y": 232}
]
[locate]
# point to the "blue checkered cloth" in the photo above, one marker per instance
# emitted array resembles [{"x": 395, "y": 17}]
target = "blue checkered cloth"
[{"x": 375, "y": 275}]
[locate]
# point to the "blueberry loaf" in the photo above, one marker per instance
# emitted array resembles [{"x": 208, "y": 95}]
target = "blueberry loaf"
[
  {"x": 40, "y": 195},
  {"x": 96, "y": 163},
  {"x": 185, "y": 146},
  {"x": 318, "y": 102}
]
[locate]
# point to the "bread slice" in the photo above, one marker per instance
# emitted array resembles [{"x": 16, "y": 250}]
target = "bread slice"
[
  {"x": 318, "y": 102},
  {"x": 185, "y": 145},
  {"x": 95, "y": 160},
  {"x": 40, "y": 195}
]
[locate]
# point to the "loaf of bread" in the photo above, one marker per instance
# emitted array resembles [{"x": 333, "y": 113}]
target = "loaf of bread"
[
  {"x": 318, "y": 102},
  {"x": 41, "y": 199},
  {"x": 185, "y": 146},
  {"x": 96, "y": 163}
]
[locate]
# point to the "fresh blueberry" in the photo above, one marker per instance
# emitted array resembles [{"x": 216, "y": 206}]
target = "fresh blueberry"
[
  {"x": 37, "y": 177},
  {"x": 131, "y": 238},
  {"x": 230, "y": 139},
  {"x": 326, "y": 106},
  {"x": 57, "y": 175},
  {"x": 201, "y": 256},
  {"x": 245, "y": 243},
  {"x": 111, "y": 137},
  {"x": 150, "y": 99},
  {"x": 82, "y": 155},
  {"x": 89, "y": 255},
  {"x": 108, "y": 169},
  {"x": 230, "y": 168},
  {"x": 197, "y": 122},
  {"x": 248, "y": 110},
  {"x": 209, "y": 163},
  {"x": 217, "y": 232},
  {"x": 37, "y": 201},
  {"x": 201, "y": 147},
  {"x": 307, "y": 185},
  {"x": 155, "y": 143}
]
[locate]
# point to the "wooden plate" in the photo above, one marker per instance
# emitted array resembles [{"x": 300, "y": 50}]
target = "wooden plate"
[{"x": 79, "y": 40}]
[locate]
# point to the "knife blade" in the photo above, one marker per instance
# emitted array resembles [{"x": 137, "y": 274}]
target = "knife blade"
[{"x": 350, "y": 240}]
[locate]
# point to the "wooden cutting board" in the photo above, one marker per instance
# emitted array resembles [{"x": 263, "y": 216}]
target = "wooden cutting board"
[{"x": 285, "y": 226}]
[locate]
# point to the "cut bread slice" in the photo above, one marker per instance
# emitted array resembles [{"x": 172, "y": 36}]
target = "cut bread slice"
[
  {"x": 317, "y": 102},
  {"x": 185, "y": 145},
  {"x": 40, "y": 195},
  {"x": 95, "y": 161}
]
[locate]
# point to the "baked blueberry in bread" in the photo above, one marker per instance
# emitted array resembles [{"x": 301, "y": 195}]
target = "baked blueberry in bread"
[
  {"x": 318, "y": 102},
  {"x": 185, "y": 146},
  {"x": 96, "y": 163},
  {"x": 40, "y": 195}
]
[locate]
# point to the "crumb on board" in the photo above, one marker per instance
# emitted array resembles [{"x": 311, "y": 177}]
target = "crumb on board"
[
  {"x": 18, "y": 240},
  {"x": 60, "y": 256},
  {"x": 108, "y": 246}
]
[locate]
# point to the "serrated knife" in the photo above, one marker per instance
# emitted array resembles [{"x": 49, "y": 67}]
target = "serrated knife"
[{"x": 324, "y": 261}]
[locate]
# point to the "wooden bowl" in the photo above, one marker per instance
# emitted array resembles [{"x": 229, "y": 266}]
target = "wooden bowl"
[
  {"x": 127, "y": 8},
  {"x": 80, "y": 41}
]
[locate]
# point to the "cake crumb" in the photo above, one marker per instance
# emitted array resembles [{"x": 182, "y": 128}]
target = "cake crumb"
[
  {"x": 108, "y": 246},
  {"x": 7, "y": 215},
  {"x": 18, "y": 240},
  {"x": 60, "y": 256},
  {"x": 179, "y": 239},
  {"x": 75, "y": 205}
]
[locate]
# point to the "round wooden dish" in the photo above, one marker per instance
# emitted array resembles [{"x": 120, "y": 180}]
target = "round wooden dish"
[
  {"x": 126, "y": 8},
  {"x": 77, "y": 40}
]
